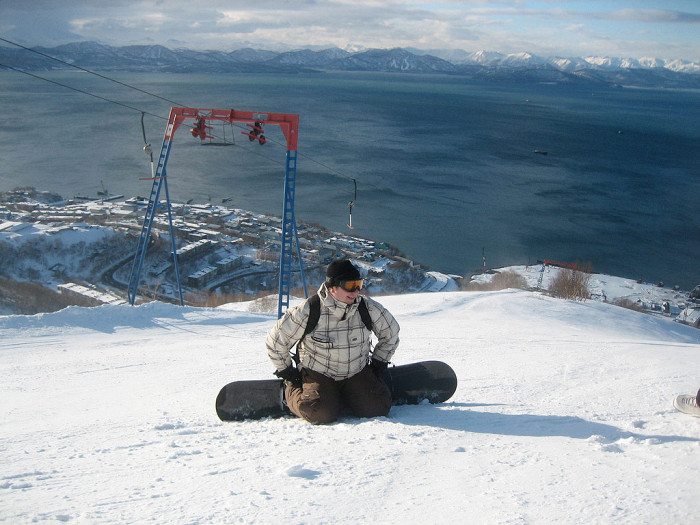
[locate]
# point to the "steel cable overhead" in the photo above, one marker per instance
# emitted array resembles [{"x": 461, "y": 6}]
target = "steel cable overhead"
[{"x": 143, "y": 112}]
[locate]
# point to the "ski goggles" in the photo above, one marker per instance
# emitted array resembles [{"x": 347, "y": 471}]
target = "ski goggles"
[{"x": 351, "y": 286}]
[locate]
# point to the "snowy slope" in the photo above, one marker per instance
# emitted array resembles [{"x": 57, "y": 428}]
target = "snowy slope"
[{"x": 562, "y": 415}]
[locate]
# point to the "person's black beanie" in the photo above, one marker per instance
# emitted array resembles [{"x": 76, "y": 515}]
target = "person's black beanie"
[{"x": 341, "y": 270}]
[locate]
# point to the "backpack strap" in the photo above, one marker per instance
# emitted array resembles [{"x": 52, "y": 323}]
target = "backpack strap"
[
  {"x": 314, "y": 315},
  {"x": 364, "y": 314},
  {"x": 311, "y": 322}
]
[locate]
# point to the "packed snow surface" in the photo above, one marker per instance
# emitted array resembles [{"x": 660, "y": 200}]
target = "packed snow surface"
[{"x": 563, "y": 414}]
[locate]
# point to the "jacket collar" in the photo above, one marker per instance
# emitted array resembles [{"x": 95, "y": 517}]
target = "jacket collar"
[{"x": 337, "y": 308}]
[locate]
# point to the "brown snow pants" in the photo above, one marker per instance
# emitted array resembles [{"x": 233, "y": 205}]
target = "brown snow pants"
[{"x": 320, "y": 398}]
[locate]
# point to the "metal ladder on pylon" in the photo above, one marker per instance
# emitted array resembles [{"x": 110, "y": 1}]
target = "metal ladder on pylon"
[
  {"x": 160, "y": 181},
  {"x": 289, "y": 235}
]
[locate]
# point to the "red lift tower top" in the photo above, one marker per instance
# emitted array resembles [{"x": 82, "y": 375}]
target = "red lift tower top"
[
  {"x": 289, "y": 125},
  {"x": 287, "y": 122}
]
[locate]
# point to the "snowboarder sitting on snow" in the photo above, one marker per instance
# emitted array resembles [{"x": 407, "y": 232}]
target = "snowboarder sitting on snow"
[{"x": 337, "y": 365}]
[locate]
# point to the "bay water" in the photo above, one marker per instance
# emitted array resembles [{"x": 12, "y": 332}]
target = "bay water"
[{"x": 448, "y": 170}]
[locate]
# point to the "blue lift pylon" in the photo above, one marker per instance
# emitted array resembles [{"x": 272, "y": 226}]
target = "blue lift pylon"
[
  {"x": 289, "y": 236},
  {"x": 289, "y": 124},
  {"x": 160, "y": 181}
]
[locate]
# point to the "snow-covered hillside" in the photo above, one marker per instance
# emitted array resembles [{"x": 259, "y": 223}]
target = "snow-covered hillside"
[
  {"x": 652, "y": 298},
  {"x": 563, "y": 414}
]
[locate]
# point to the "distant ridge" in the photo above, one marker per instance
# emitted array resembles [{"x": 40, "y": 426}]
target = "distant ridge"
[{"x": 479, "y": 65}]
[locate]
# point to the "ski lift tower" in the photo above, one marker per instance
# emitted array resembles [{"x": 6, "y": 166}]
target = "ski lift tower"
[{"x": 289, "y": 125}]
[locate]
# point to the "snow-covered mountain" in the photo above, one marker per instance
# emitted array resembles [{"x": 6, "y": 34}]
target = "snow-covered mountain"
[
  {"x": 392, "y": 60},
  {"x": 485, "y": 65},
  {"x": 573, "y": 63},
  {"x": 249, "y": 54},
  {"x": 563, "y": 414},
  {"x": 483, "y": 58},
  {"x": 307, "y": 57}
]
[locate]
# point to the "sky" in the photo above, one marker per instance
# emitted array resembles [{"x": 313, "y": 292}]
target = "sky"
[{"x": 624, "y": 28}]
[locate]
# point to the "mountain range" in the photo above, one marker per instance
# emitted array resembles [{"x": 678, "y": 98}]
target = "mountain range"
[{"x": 479, "y": 65}]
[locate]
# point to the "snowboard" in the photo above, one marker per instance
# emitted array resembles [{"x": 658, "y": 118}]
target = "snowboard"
[
  {"x": 687, "y": 404},
  {"x": 412, "y": 384}
]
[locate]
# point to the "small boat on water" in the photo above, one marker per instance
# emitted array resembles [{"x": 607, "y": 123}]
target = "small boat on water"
[{"x": 540, "y": 152}]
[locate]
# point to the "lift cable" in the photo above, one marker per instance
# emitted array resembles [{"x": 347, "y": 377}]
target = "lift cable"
[
  {"x": 81, "y": 91},
  {"x": 338, "y": 173},
  {"x": 258, "y": 153},
  {"x": 143, "y": 113},
  {"x": 89, "y": 71}
]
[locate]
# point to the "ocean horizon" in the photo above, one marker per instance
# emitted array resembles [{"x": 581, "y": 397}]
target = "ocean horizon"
[{"x": 446, "y": 169}]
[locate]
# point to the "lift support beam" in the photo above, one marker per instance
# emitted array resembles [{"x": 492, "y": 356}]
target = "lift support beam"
[{"x": 289, "y": 124}]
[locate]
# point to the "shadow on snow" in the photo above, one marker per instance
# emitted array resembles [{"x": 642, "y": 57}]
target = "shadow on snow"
[{"x": 454, "y": 416}]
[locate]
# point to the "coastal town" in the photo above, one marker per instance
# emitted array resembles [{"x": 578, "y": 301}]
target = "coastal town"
[
  {"x": 83, "y": 247},
  {"x": 57, "y": 252}
]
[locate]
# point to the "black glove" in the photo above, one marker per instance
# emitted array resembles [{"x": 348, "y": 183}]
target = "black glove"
[
  {"x": 290, "y": 374},
  {"x": 378, "y": 367}
]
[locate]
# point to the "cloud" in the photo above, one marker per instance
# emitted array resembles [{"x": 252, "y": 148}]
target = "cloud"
[
  {"x": 652, "y": 16},
  {"x": 506, "y": 26}
]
